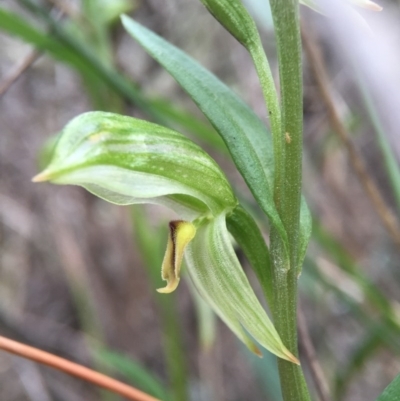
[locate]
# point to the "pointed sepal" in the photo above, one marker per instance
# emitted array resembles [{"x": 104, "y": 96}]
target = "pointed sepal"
[{"x": 220, "y": 280}]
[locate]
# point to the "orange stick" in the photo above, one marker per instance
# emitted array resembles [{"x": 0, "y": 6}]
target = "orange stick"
[{"x": 74, "y": 369}]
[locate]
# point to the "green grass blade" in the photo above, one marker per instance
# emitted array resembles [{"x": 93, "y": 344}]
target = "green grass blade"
[
  {"x": 133, "y": 372},
  {"x": 14, "y": 25},
  {"x": 63, "y": 46}
]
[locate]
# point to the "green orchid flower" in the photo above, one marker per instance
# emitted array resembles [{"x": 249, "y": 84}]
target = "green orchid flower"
[{"x": 126, "y": 161}]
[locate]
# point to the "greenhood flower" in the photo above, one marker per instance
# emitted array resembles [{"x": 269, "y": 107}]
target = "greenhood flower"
[{"x": 125, "y": 161}]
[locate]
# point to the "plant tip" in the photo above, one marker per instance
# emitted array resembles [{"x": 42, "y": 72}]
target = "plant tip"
[
  {"x": 293, "y": 359},
  {"x": 41, "y": 177}
]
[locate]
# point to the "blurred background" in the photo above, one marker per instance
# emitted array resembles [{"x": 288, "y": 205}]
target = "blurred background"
[{"x": 78, "y": 275}]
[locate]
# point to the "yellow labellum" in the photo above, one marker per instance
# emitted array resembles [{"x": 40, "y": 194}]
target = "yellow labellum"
[{"x": 180, "y": 234}]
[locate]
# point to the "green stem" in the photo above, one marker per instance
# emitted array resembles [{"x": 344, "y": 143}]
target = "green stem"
[
  {"x": 288, "y": 197},
  {"x": 294, "y": 387}
]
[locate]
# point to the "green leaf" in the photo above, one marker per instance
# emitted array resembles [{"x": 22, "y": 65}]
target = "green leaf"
[
  {"x": 133, "y": 371},
  {"x": 392, "y": 391},
  {"x": 243, "y": 132},
  {"x": 235, "y": 18},
  {"x": 180, "y": 119},
  {"x": 247, "y": 234},
  {"x": 220, "y": 280},
  {"x": 125, "y": 160}
]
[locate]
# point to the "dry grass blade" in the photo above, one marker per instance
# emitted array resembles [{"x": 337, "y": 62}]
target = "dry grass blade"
[
  {"x": 321, "y": 78},
  {"x": 309, "y": 352},
  {"x": 74, "y": 369},
  {"x": 18, "y": 70}
]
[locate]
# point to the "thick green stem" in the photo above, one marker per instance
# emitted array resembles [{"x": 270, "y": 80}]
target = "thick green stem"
[
  {"x": 288, "y": 197},
  {"x": 294, "y": 387}
]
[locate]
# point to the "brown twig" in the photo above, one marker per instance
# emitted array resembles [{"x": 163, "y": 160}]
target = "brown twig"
[
  {"x": 321, "y": 78},
  {"x": 17, "y": 70},
  {"x": 74, "y": 369},
  {"x": 20, "y": 68},
  {"x": 309, "y": 352}
]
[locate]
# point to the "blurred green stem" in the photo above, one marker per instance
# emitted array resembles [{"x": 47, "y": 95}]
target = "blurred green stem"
[
  {"x": 288, "y": 196},
  {"x": 173, "y": 349}
]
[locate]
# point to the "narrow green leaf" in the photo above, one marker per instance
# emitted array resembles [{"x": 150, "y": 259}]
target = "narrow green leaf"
[
  {"x": 304, "y": 232},
  {"x": 242, "y": 131},
  {"x": 392, "y": 391},
  {"x": 77, "y": 53},
  {"x": 133, "y": 371},
  {"x": 125, "y": 160},
  {"x": 182, "y": 120},
  {"x": 248, "y": 235},
  {"x": 65, "y": 48},
  {"x": 17, "y": 26},
  {"x": 235, "y": 18},
  {"x": 220, "y": 280}
]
